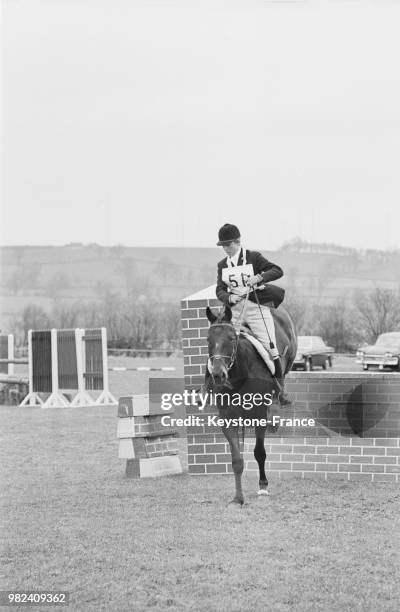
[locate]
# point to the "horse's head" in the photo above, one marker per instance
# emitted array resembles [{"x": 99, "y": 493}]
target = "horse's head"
[{"x": 222, "y": 344}]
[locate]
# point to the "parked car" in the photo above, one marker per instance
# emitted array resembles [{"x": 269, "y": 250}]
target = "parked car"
[
  {"x": 312, "y": 351},
  {"x": 384, "y": 353}
]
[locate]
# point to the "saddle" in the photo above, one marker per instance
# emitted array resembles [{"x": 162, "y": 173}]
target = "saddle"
[{"x": 261, "y": 350}]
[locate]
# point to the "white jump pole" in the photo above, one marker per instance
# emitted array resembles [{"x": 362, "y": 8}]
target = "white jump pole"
[
  {"x": 82, "y": 398},
  {"x": 10, "y": 350},
  {"x": 33, "y": 398},
  {"x": 106, "y": 397}
]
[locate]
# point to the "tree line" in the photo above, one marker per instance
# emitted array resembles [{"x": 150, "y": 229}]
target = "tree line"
[
  {"x": 141, "y": 324},
  {"x": 131, "y": 323},
  {"x": 346, "y": 325}
]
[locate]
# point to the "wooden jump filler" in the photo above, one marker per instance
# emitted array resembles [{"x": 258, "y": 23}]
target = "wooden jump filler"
[{"x": 149, "y": 448}]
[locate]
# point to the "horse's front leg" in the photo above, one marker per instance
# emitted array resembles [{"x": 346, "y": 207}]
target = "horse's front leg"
[
  {"x": 260, "y": 455},
  {"x": 232, "y": 435}
]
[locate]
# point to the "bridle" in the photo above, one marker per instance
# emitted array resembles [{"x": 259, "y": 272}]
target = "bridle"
[{"x": 232, "y": 356}]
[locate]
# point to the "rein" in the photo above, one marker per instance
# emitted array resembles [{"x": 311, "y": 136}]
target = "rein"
[{"x": 238, "y": 322}]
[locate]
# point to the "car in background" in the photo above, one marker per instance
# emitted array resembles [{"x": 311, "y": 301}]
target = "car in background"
[
  {"x": 384, "y": 353},
  {"x": 312, "y": 352}
]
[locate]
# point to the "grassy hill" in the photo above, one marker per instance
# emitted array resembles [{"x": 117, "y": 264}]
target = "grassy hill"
[{"x": 42, "y": 275}]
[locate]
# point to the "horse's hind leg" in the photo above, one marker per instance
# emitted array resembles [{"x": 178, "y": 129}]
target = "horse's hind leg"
[
  {"x": 232, "y": 435},
  {"x": 260, "y": 455}
]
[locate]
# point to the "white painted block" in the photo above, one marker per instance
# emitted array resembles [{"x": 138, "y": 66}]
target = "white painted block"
[
  {"x": 125, "y": 449},
  {"x": 160, "y": 466},
  {"x": 141, "y": 405},
  {"x": 126, "y": 428},
  {"x": 133, "y": 405}
]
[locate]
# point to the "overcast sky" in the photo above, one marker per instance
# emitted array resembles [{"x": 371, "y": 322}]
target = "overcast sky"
[{"x": 154, "y": 122}]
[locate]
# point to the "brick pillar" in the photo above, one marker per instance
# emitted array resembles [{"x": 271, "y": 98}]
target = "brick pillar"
[
  {"x": 201, "y": 460},
  {"x": 194, "y": 334}
]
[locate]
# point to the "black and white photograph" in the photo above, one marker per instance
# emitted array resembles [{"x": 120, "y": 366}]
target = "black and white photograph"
[{"x": 200, "y": 305}]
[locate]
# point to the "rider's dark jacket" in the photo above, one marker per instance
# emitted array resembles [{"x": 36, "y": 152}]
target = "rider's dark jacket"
[{"x": 271, "y": 294}]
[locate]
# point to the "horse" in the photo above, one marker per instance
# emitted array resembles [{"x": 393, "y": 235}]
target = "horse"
[{"x": 235, "y": 367}]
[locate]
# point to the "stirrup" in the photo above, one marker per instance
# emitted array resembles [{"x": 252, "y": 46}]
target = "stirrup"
[{"x": 278, "y": 368}]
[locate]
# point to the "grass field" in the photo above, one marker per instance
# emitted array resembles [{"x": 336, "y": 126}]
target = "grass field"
[{"x": 70, "y": 520}]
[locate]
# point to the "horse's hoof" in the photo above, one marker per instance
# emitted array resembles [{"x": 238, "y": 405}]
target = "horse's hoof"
[{"x": 263, "y": 492}]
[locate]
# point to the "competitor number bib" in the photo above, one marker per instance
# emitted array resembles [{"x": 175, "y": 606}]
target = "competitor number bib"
[{"x": 236, "y": 277}]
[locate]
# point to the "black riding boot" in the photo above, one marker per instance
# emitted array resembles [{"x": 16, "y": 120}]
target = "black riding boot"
[{"x": 283, "y": 397}]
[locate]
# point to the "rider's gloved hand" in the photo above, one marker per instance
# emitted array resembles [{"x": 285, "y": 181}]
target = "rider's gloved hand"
[
  {"x": 234, "y": 299},
  {"x": 254, "y": 280}
]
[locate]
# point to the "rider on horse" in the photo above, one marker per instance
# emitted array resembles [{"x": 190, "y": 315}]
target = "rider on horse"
[{"x": 240, "y": 271}]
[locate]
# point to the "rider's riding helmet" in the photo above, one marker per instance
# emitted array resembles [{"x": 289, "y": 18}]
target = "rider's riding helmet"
[{"x": 227, "y": 233}]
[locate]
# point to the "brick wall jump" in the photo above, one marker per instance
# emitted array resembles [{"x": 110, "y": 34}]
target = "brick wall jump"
[{"x": 357, "y": 415}]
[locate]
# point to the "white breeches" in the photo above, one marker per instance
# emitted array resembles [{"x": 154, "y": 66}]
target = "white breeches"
[{"x": 252, "y": 316}]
